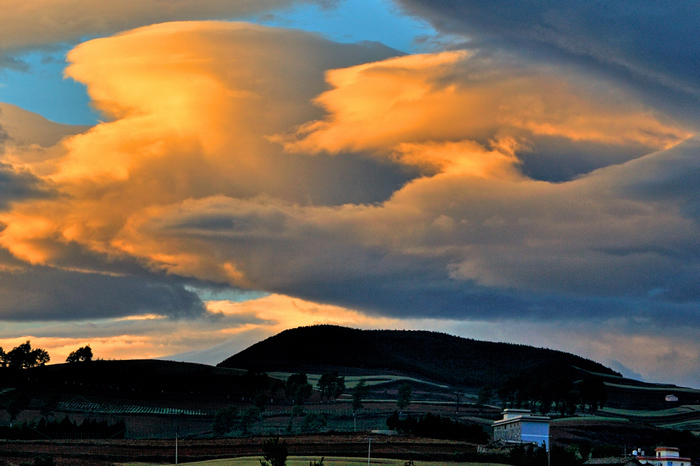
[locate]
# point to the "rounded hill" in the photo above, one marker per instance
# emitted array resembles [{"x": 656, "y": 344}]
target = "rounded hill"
[{"x": 430, "y": 355}]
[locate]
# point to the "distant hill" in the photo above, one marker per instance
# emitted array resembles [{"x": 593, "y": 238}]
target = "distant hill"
[
  {"x": 430, "y": 355},
  {"x": 134, "y": 379}
]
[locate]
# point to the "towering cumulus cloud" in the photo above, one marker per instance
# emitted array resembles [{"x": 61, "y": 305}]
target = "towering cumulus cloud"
[
  {"x": 189, "y": 119},
  {"x": 456, "y": 185}
]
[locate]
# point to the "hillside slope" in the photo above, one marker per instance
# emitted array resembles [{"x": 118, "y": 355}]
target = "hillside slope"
[
  {"x": 145, "y": 379},
  {"x": 430, "y": 355}
]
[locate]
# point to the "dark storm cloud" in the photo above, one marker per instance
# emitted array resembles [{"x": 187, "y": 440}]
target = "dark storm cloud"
[
  {"x": 3, "y": 134},
  {"x": 13, "y": 63},
  {"x": 316, "y": 255},
  {"x": 558, "y": 159},
  {"x": 41, "y": 293},
  {"x": 673, "y": 177},
  {"x": 649, "y": 44},
  {"x": 17, "y": 185}
]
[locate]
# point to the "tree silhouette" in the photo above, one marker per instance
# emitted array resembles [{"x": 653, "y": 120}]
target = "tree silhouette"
[
  {"x": 358, "y": 394},
  {"x": 225, "y": 420},
  {"x": 82, "y": 354},
  {"x": 404, "y": 397},
  {"x": 331, "y": 385},
  {"x": 274, "y": 453},
  {"x": 298, "y": 388},
  {"x": 23, "y": 357},
  {"x": 19, "y": 402}
]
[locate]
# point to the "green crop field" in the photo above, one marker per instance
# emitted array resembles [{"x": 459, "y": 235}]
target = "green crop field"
[
  {"x": 660, "y": 388},
  {"x": 370, "y": 380},
  {"x": 588, "y": 419},
  {"x": 305, "y": 460},
  {"x": 685, "y": 409}
]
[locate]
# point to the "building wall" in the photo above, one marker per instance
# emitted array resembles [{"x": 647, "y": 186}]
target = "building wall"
[
  {"x": 523, "y": 431},
  {"x": 510, "y": 432},
  {"x": 537, "y": 432}
]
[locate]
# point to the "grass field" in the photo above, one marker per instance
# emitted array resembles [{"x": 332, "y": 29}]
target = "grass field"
[
  {"x": 663, "y": 389},
  {"x": 370, "y": 380},
  {"x": 305, "y": 460},
  {"x": 678, "y": 410},
  {"x": 588, "y": 419}
]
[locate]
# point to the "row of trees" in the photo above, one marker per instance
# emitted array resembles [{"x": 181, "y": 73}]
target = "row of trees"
[
  {"x": 24, "y": 356},
  {"x": 564, "y": 395},
  {"x": 298, "y": 389},
  {"x": 331, "y": 386},
  {"x": 436, "y": 426}
]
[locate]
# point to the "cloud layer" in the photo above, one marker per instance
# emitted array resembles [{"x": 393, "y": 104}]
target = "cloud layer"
[
  {"x": 457, "y": 186},
  {"x": 44, "y": 23},
  {"x": 190, "y": 119},
  {"x": 646, "y": 45}
]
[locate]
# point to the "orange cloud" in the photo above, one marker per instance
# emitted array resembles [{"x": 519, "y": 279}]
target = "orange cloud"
[
  {"x": 283, "y": 312},
  {"x": 32, "y": 142},
  {"x": 456, "y": 96},
  {"x": 189, "y": 118},
  {"x": 204, "y": 170},
  {"x": 156, "y": 336}
]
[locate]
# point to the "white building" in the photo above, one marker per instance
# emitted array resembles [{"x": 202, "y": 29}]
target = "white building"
[
  {"x": 665, "y": 456},
  {"x": 521, "y": 426}
]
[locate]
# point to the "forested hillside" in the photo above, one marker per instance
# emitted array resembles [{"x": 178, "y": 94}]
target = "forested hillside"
[{"x": 431, "y": 355}]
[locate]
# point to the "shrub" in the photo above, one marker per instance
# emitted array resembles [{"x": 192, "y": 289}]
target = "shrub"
[{"x": 274, "y": 453}]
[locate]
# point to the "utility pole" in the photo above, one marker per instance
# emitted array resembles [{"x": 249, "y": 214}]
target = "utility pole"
[
  {"x": 176, "y": 432},
  {"x": 369, "y": 450}
]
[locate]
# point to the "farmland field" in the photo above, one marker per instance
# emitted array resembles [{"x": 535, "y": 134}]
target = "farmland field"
[
  {"x": 304, "y": 447},
  {"x": 332, "y": 461}
]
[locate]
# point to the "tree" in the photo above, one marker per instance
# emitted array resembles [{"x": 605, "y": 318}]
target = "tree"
[
  {"x": 302, "y": 394},
  {"x": 404, "y": 397},
  {"x": 298, "y": 388},
  {"x": 49, "y": 406},
  {"x": 293, "y": 382},
  {"x": 274, "y": 453},
  {"x": 313, "y": 422},
  {"x": 572, "y": 400},
  {"x": 23, "y": 357},
  {"x": 545, "y": 403},
  {"x": 593, "y": 393},
  {"x": 260, "y": 401},
  {"x": 3, "y": 357},
  {"x": 250, "y": 417},
  {"x": 82, "y": 354},
  {"x": 584, "y": 449},
  {"x": 19, "y": 402},
  {"x": 485, "y": 395},
  {"x": 225, "y": 420},
  {"x": 44, "y": 460},
  {"x": 358, "y": 394},
  {"x": 331, "y": 385}
]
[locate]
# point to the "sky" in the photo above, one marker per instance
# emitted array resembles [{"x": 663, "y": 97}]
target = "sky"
[{"x": 181, "y": 179}]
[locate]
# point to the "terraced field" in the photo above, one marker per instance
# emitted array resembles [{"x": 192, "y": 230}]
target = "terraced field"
[
  {"x": 87, "y": 407},
  {"x": 333, "y": 461}
]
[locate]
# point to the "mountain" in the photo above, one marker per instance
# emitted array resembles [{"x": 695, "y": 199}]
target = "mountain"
[{"x": 430, "y": 355}]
